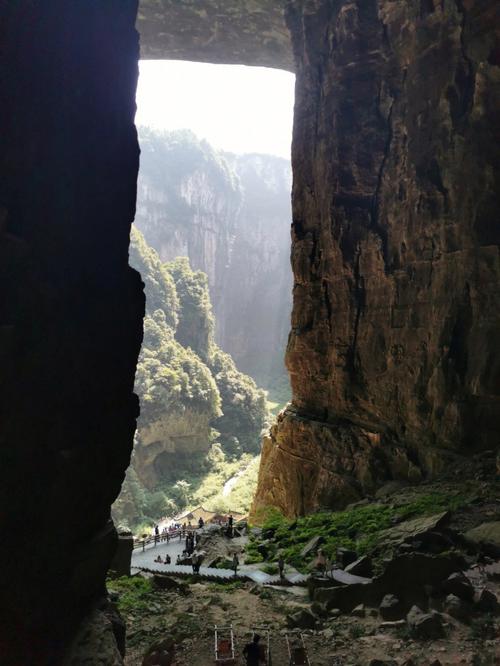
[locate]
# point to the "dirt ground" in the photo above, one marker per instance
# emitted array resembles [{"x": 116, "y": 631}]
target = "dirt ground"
[{"x": 340, "y": 641}]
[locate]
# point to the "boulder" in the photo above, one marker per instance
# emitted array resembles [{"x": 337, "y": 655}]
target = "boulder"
[
  {"x": 344, "y": 578},
  {"x": 359, "y": 611},
  {"x": 383, "y": 662},
  {"x": 312, "y": 545},
  {"x": 457, "y": 608},
  {"x": 390, "y": 626},
  {"x": 486, "y": 602},
  {"x": 425, "y": 626},
  {"x": 345, "y": 557},
  {"x": 407, "y": 575},
  {"x": 487, "y": 537},
  {"x": 390, "y": 488},
  {"x": 319, "y": 609},
  {"x": 391, "y": 608},
  {"x": 316, "y": 582},
  {"x": 94, "y": 643},
  {"x": 347, "y": 597},
  {"x": 360, "y": 567},
  {"x": 410, "y": 530},
  {"x": 459, "y": 585},
  {"x": 160, "y": 654},
  {"x": 303, "y": 619},
  {"x": 492, "y": 571}
]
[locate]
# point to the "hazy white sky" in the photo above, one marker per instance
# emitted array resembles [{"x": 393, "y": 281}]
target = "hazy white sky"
[{"x": 236, "y": 108}]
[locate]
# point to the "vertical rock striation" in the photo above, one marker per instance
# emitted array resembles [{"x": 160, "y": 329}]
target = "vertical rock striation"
[
  {"x": 70, "y": 310},
  {"x": 230, "y": 214},
  {"x": 393, "y": 354}
]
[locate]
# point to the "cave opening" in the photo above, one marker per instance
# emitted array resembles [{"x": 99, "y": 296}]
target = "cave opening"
[{"x": 211, "y": 241}]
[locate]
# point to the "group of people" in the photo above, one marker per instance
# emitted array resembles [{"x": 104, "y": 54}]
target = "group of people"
[{"x": 167, "y": 560}]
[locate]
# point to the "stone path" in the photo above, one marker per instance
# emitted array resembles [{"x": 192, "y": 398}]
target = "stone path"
[{"x": 146, "y": 561}]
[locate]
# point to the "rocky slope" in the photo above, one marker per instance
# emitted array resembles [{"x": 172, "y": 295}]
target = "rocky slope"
[
  {"x": 230, "y": 215},
  {"x": 393, "y": 356}
]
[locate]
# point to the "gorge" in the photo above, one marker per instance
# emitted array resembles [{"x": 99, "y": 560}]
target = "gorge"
[
  {"x": 393, "y": 353},
  {"x": 231, "y": 215}
]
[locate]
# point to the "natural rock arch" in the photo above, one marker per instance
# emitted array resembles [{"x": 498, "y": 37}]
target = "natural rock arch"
[{"x": 393, "y": 352}]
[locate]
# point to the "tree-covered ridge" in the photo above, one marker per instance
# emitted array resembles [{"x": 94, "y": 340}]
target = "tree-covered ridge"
[
  {"x": 192, "y": 396},
  {"x": 173, "y": 156},
  {"x": 159, "y": 285},
  {"x": 244, "y": 406},
  {"x": 170, "y": 377},
  {"x": 196, "y": 322}
]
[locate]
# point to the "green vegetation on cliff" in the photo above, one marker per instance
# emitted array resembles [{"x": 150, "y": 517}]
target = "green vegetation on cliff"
[
  {"x": 358, "y": 528},
  {"x": 200, "y": 417}
]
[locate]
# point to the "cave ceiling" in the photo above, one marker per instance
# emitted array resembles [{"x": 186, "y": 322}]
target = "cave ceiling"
[{"x": 253, "y": 32}]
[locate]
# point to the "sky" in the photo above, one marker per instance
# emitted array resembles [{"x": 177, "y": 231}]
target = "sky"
[{"x": 236, "y": 108}]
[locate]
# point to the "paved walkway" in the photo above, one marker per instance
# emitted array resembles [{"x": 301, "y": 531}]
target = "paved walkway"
[{"x": 146, "y": 561}]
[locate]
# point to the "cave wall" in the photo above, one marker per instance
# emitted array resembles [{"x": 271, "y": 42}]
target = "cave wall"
[
  {"x": 70, "y": 310},
  {"x": 393, "y": 354},
  {"x": 250, "y": 32}
]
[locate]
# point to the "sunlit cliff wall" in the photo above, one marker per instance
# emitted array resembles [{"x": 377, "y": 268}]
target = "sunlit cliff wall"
[{"x": 393, "y": 354}]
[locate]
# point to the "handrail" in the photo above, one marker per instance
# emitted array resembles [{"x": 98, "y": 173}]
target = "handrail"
[{"x": 162, "y": 537}]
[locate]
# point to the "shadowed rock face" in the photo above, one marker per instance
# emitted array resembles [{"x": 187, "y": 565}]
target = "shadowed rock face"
[
  {"x": 252, "y": 32},
  {"x": 70, "y": 310},
  {"x": 393, "y": 355}
]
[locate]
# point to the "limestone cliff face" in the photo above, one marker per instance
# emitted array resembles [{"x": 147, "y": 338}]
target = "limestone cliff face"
[
  {"x": 393, "y": 355},
  {"x": 168, "y": 440},
  {"x": 231, "y": 216},
  {"x": 254, "y": 313},
  {"x": 223, "y": 31}
]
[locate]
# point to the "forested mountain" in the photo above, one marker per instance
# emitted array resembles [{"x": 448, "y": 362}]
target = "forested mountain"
[
  {"x": 230, "y": 215},
  {"x": 195, "y": 405}
]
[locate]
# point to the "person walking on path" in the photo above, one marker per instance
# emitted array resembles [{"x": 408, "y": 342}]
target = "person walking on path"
[
  {"x": 194, "y": 562},
  {"x": 281, "y": 566},
  {"x": 157, "y": 534},
  {"x": 236, "y": 564}
]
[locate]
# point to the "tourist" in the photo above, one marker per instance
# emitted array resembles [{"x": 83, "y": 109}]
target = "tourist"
[
  {"x": 236, "y": 563},
  {"x": 194, "y": 562},
  {"x": 321, "y": 562},
  {"x": 178, "y": 561},
  {"x": 252, "y": 652},
  {"x": 201, "y": 523},
  {"x": 168, "y": 559},
  {"x": 281, "y": 566},
  {"x": 230, "y": 521}
]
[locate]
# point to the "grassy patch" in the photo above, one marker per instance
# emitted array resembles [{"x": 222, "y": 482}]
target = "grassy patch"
[
  {"x": 135, "y": 594},
  {"x": 358, "y": 529}
]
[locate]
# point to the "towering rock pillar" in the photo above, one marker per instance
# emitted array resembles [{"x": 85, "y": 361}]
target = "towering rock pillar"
[
  {"x": 70, "y": 312},
  {"x": 393, "y": 354}
]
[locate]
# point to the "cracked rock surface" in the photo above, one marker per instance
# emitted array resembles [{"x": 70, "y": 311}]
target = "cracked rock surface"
[{"x": 393, "y": 352}]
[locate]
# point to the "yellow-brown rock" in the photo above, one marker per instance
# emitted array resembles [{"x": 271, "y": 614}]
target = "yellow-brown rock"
[{"x": 393, "y": 354}]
